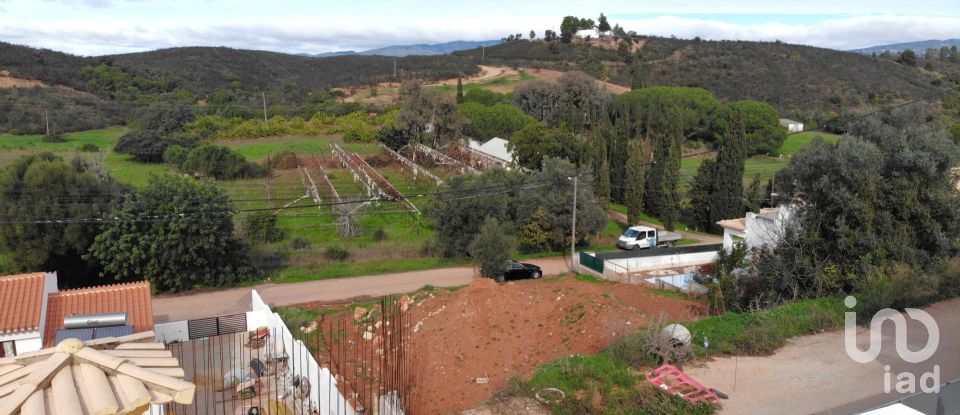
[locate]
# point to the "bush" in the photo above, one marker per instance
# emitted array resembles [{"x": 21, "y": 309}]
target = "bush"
[
  {"x": 147, "y": 146},
  {"x": 492, "y": 247},
  {"x": 55, "y": 136},
  {"x": 175, "y": 155},
  {"x": 90, "y": 148},
  {"x": 284, "y": 160},
  {"x": 336, "y": 253},
  {"x": 299, "y": 243},
  {"x": 261, "y": 227},
  {"x": 220, "y": 163},
  {"x": 380, "y": 235}
]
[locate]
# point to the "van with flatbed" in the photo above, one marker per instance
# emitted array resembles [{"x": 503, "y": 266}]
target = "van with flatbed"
[{"x": 644, "y": 237}]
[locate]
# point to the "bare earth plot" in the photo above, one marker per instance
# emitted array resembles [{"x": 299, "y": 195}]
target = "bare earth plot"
[
  {"x": 497, "y": 332},
  {"x": 814, "y": 375}
]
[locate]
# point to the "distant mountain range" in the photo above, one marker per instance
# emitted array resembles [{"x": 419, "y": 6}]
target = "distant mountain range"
[
  {"x": 422, "y": 49},
  {"x": 919, "y": 46}
]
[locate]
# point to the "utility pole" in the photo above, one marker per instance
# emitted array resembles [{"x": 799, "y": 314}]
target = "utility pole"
[
  {"x": 264, "y": 96},
  {"x": 573, "y": 228},
  {"x": 269, "y": 185},
  {"x": 394, "y": 68},
  {"x": 483, "y": 52},
  {"x": 46, "y": 119}
]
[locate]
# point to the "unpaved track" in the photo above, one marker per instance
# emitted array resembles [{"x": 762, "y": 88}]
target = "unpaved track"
[
  {"x": 814, "y": 375},
  {"x": 237, "y": 300}
]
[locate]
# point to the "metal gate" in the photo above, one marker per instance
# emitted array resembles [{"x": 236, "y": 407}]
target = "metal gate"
[
  {"x": 215, "y": 326},
  {"x": 591, "y": 262}
]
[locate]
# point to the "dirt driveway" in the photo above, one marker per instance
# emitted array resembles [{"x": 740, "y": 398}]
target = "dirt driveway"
[
  {"x": 167, "y": 307},
  {"x": 814, "y": 375}
]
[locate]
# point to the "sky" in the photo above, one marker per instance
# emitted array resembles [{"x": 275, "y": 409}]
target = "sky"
[{"x": 99, "y": 27}]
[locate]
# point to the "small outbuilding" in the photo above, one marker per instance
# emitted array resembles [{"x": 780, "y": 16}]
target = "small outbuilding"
[{"x": 792, "y": 126}]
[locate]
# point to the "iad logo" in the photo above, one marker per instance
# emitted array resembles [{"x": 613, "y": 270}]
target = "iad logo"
[{"x": 906, "y": 381}]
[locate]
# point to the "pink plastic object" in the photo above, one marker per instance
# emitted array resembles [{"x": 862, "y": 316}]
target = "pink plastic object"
[{"x": 672, "y": 380}]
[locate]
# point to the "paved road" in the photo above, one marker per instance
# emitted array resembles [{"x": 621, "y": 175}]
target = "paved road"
[
  {"x": 703, "y": 238},
  {"x": 235, "y": 300},
  {"x": 814, "y": 375}
]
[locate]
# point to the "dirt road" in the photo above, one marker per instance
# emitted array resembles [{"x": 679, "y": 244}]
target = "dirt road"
[
  {"x": 703, "y": 238},
  {"x": 814, "y": 375},
  {"x": 236, "y": 300}
]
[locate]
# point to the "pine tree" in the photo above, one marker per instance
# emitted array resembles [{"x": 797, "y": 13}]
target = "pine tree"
[
  {"x": 636, "y": 181},
  {"x": 459, "y": 91}
]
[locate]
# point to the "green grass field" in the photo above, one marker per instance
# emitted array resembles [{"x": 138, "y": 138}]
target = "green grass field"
[{"x": 796, "y": 142}]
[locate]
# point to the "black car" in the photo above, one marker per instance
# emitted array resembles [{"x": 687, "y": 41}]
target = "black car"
[{"x": 516, "y": 271}]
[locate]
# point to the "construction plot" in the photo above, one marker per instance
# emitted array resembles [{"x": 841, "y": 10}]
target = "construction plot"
[{"x": 466, "y": 345}]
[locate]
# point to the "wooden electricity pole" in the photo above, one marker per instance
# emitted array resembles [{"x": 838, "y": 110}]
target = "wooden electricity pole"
[
  {"x": 573, "y": 228},
  {"x": 46, "y": 119}
]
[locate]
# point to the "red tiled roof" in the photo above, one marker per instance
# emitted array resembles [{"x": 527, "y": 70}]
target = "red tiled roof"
[
  {"x": 21, "y": 298},
  {"x": 132, "y": 298}
]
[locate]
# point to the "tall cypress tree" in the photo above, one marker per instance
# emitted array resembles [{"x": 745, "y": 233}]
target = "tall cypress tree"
[
  {"x": 663, "y": 177},
  {"x": 636, "y": 181},
  {"x": 717, "y": 192},
  {"x": 601, "y": 166},
  {"x": 459, "y": 91}
]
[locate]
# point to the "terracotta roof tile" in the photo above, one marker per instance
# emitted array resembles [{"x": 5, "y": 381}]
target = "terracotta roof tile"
[
  {"x": 133, "y": 298},
  {"x": 93, "y": 377},
  {"x": 21, "y": 299},
  {"x": 736, "y": 224}
]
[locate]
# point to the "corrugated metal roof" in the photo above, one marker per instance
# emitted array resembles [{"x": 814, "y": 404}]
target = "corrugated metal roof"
[
  {"x": 133, "y": 298},
  {"x": 21, "y": 298},
  {"x": 118, "y": 375}
]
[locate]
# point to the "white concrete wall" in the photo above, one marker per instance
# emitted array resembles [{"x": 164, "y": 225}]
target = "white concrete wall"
[
  {"x": 28, "y": 345},
  {"x": 731, "y": 236},
  {"x": 663, "y": 261},
  {"x": 300, "y": 360}
]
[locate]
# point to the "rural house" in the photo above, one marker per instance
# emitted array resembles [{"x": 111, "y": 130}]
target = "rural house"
[
  {"x": 33, "y": 312},
  {"x": 755, "y": 229},
  {"x": 791, "y": 125},
  {"x": 494, "y": 150}
]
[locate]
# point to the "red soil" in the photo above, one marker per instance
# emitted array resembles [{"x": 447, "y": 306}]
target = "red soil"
[{"x": 501, "y": 331}]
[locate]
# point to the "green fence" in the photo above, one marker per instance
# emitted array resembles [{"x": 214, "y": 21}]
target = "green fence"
[{"x": 591, "y": 262}]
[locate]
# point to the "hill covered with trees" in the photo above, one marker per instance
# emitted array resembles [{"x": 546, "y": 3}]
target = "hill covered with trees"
[{"x": 800, "y": 81}]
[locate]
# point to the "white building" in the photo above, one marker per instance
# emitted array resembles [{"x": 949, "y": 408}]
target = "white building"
[
  {"x": 494, "y": 149},
  {"x": 586, "y": 33},
  {"x": 23, "y": 306},
  {"x": 792, "y": 126},
  {"x": 756, "y": 229}
]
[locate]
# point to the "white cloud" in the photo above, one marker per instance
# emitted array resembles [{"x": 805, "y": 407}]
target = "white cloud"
[{"x": 94, "y": 27}]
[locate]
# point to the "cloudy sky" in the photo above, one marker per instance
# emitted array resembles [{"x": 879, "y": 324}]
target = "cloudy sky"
[{"x": 97, "y": 27}]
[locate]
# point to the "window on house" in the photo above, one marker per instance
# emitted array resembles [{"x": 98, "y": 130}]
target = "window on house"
[{"x": 8, "y": 349}]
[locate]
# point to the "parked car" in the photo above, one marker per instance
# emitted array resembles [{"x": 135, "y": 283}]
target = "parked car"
[
  {"x": 517, "y": 270},
  {"x": 646, "y": 237}
]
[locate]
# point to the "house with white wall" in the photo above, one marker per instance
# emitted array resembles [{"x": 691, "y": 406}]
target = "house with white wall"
[
  {"x": 791, "y": 125},
  {"x": 33, "y": 311},
  {"x": 23, "y": 305},
  {"x": 493, "y": 151},
  {"x": 756, "y": 230}
]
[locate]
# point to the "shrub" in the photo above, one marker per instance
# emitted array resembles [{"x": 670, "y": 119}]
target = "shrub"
[
  {"x": 336, "y": 253},
  {"x": 380, "y": 235},
  {"x": 175, "y": 155},
  {"x": 147, "y": 146},
  {"x": 220, "y": 163},
  {"x": 261, "y": 227},
  {"x": 491, "y": 248},
  {"x": 284, "y": 160},
  {"x": 55, "y": 136},
  {"x": 299, "y": 243},
  {"x": 90, "y": 148}
]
